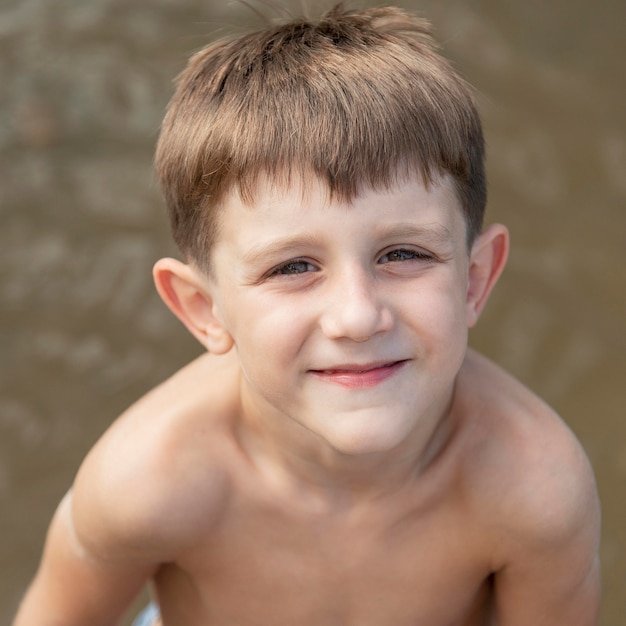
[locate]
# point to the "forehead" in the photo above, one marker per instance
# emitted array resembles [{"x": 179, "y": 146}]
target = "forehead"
[
  {"x": 279, "y": 221},
  {"x": 302, "y": 219},
  {"x": 309, "y": 200}
]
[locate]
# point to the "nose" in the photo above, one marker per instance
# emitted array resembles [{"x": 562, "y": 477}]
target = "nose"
[{"x": 354, "y": 308}]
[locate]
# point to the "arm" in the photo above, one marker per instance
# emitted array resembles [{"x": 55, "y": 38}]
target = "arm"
[
  {"x": 551, "y": 576},
  {"x": 74, "y": 587},
  {"x": 145, "y": 494}
]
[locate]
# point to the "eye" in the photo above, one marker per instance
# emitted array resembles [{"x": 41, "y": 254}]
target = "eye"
[
  {"x": 403, "y": 254},
  {"x": 291, "y": 268}
]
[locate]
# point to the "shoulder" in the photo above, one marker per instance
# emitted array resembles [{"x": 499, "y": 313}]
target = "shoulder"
[
  {"x": 528, "y": 474},
  {"x": 159, "y": 476}
]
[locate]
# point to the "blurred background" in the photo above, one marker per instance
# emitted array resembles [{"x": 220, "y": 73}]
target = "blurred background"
[{"x": 83, "y": 86}]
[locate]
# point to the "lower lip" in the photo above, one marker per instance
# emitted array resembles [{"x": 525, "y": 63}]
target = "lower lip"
[{"x": 360, "y": 380}]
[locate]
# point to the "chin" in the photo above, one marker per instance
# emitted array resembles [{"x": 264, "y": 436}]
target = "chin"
[{"x": 366, "y": 441}]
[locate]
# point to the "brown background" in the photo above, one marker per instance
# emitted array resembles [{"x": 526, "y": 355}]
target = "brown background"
[{"x": 83, "y": 86}]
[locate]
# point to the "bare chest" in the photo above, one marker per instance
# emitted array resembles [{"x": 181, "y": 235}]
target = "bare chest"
[{"x": 270, "y": 567}]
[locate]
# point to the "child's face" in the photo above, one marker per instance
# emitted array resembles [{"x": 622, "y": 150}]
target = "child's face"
[{"x": 349, "y": 320}]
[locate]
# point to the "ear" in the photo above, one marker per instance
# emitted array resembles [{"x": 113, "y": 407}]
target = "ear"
[
  {"x": 187, "y": 293},
  {"x": 487, "y": 260}
]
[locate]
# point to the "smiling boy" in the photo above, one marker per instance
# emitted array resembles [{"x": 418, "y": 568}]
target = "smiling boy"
[{"x": 339, "y": 458}]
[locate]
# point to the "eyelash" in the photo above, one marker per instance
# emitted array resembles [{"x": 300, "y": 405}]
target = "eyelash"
[
  {"x": 411, "y": 254},
  {"x": 283, "y": 270},
  {"x": 287, "y": 269}
]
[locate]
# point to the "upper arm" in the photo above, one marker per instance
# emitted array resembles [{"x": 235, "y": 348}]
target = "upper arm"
[
  {"x": 127, "y": 513},
  {"x": 75, "y": 587},
  {"x": 550, "y": 575},
  {"x": 145, "y": 495}
]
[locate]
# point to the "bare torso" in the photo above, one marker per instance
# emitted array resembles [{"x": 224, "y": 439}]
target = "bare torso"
[
  {"x": 237, "y": 542},
  {"x": 405, "y": 560},
  {"x": 360, "y": 574},
  {"x": 282, "y": 552}
]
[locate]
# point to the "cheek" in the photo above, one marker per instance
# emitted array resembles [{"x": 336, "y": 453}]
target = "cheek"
[
  {"x": 282, "y": 316},
  {"x": 441, "y": 313},
  {"x": 266, "y": 330}
]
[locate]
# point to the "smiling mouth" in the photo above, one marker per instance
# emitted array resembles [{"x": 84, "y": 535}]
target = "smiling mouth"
[{"x": 360, "y": 376}]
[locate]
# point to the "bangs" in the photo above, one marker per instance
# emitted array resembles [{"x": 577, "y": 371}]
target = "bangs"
[{"x": 339, "y": 102}]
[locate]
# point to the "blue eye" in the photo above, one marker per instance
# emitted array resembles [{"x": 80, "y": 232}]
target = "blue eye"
[
  {"x": 293, "y": 267},
  {"x": 402, "y": 254}
]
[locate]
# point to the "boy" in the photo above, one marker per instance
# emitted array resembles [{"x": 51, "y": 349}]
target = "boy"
[{"x": 338, "y": 457}]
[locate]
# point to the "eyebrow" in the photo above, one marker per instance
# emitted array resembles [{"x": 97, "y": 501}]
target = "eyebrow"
[
  {"x": 434, "y": 234},
  {"x": 279, "y": 247}
]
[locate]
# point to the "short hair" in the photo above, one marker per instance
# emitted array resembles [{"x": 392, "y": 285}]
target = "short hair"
[{"x": 355, "y": 98}]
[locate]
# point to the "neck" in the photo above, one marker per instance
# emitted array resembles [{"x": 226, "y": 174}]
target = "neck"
[{"x": 299, "y": 460}]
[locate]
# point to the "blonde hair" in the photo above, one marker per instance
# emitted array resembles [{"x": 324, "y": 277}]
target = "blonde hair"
[{"x": 355, "y": 98}]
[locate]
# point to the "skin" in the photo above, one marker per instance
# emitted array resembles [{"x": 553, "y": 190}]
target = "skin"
[{"x": 340, "y": 457}]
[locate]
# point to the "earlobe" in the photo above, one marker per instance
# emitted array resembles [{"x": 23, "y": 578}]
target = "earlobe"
[
  {"x": 187, "y": 295},
  {"x": 487, "y": 260}
]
